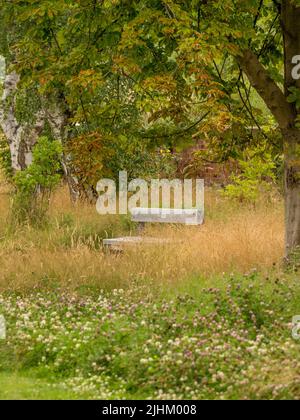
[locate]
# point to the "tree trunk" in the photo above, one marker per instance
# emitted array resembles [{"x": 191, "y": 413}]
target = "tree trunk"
[
  {"x": 58, "y": 121},
  {"x": 21, "y": 139},
  {"x": 292, "y": 190},
  {"x": 290, "y": 24},
  {"x": 70, "y": 179},
  {"x": 284, "y": 112}
]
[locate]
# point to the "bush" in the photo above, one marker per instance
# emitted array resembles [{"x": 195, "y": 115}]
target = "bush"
[
  {"x": 35, "y": 184},
  {"x": 256, "y": 177},
  {"x": 95, "y": 156},
  {"x": 5, "y": 159}
]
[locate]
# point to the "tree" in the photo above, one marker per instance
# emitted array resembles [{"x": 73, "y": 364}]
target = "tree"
[
  {"x": 68, "y": 51},
  {"x": 21, "y": 137},
  {"x": 63, "y": 52},
  {"x": 283, "y": 103},
  {"x": 24, "y": 113},
  {"x": 262, "y": 37}
]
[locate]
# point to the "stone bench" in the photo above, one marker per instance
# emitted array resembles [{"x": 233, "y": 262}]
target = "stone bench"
[{"x": 189, "y": 217}]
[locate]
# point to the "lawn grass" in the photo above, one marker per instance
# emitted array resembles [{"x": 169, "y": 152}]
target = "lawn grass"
[{"x": 15, "y": 386}]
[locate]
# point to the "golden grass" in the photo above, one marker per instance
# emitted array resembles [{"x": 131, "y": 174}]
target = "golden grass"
[{"x": 67, "y": 253}]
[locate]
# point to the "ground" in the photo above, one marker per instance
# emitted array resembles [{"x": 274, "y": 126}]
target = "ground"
[{"x": 207, "y": 319}]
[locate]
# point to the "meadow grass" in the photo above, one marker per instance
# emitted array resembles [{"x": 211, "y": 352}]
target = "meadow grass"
[
  {"x": 208, "y": 317},
  {"x": 68, "y": 251}
]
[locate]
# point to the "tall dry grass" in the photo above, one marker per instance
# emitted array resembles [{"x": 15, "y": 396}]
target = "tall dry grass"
[{"x": 68, "y": 253}]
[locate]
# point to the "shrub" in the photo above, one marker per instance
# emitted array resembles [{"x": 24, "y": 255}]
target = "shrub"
[
  {"x": 95, "y": 156},
  {"x": 256, "y": 177},
  {"x": 35, "y": 184},
  {"x": 5, "y": 159}
]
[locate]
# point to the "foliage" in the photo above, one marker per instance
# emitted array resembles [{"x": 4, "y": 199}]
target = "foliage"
[
  {"x": 256, "y": 177},
  {"x": 96, "y": 156},
  {"x": 35, "y": 184},
  {"x": 152, "y": 72},
  {"x": 294, "y": 96},
  {"x": 5, "y": 159}
]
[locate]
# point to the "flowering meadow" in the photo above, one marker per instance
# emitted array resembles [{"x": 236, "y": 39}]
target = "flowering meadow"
[{"x": 229, "y": 342}]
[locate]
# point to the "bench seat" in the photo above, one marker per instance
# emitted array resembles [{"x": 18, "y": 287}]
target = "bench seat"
[
  {"x": 172, "y": 216},
  {"x": 117, "y": 244}
]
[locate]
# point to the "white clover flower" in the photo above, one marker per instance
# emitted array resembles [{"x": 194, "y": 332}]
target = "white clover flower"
[{"x": 221, "y": 376}]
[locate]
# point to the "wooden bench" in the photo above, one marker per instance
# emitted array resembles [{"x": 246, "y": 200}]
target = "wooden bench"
[{"x": 190, "y": 217}]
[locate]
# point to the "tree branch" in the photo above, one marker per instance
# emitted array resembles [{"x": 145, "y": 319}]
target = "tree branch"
[
  {"x": 183, "y": 131},
  {"x": 258, "y": 13},
  {"x": 267, "y": 89}
]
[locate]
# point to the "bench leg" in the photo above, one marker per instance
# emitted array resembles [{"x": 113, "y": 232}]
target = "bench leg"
[
  {"x": 141, "y": 227},
  {"x": 110, "y": 250}
]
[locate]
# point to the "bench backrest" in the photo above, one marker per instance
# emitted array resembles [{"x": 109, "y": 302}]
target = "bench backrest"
[{"x": 193, "y": 217}]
